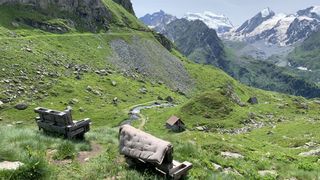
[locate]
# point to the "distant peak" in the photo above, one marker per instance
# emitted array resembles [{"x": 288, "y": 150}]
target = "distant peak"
[
  {"x": 266, "y": 12},
  {"x": 316, "y": 9},
  {"x": 214, "y": 21},
  {"x": 209, "y": 13}
]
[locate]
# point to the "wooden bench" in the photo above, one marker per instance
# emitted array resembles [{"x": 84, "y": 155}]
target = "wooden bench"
[
  {"x": 140, "y": 148},
  {"x": 61, "y": 123}
]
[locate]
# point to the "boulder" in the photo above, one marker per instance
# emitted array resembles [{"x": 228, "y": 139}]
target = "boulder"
[
  {"x": 230, "y": 170},
  {"x": 113, "y": 83},
  {"x": 115, "y": 100},
  {"x": 253, "y": 100},
  {"x": 315, "y": 152},
  {"x": 81, "y": 109},
  {"x": 169, "y": 99},
  {"x": 18, "y": 123},
  {"x": 303, "y": 106},
  {"x": 217, "y": 167},
  {"x": 89, "y": 88},
  {"x": 232, "y": 155},
  {"x": 21, "y": 106},
  {"x": 73, "y": 101},
  {"x": 268, "y": 172},
  {"x": 6, "y": 165},
  {"x": 143, "y": 91}
]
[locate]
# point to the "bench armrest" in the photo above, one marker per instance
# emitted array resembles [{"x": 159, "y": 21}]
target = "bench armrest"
[{"x": 79, "y": 124}]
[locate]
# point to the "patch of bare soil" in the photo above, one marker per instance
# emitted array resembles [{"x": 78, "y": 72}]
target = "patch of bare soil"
[
  {"x": 50, "y": 154},
  {"x": 82, "y": 157}
]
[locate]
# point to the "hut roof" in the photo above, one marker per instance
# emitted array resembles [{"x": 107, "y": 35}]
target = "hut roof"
[{"x": 172, "y": 120}]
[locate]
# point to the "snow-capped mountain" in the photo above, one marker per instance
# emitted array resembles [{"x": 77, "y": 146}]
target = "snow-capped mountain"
[
  {"x": 279, "y": 29},
  {"x": 218, "y": 22},
  {"x": 312, "y": 12},
  {"x": 251, "y": 24},
  {"x": 157, "y": 20}
]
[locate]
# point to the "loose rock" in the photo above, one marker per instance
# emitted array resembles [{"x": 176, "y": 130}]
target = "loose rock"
[
  {"x": 21, "y": 106},
  {"x": 89, "y": 88},
  {"x": 229, "y": 170},
  {"x": 143, "y": 90},
  {"x": 73, "y": 101},
  {"x": 315, "y": 152},
  {"x": 18, "y": 123},
  {"x": 253, "y": 100},
  {"x": 81, "y": 109},
  {"x": 113, "y": 83},
  {"x": 217, "y": 167},
  {"x": 268, "y": 172},
  {"x": 169, "y": 99}
]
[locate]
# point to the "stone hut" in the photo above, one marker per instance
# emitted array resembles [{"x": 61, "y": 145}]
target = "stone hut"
[{"x": 175, "y": 124}]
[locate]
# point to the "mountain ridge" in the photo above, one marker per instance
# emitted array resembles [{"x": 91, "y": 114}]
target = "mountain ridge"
[
  {"x": 105, "y": 74},
  {"x": 220, "y": 23},
  {"x": 279, "y": 29}
]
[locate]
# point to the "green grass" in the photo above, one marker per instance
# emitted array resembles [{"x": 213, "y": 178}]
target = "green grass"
[
  {"x": 307, "y": 54},
  {"x": 207, "y": 104}
]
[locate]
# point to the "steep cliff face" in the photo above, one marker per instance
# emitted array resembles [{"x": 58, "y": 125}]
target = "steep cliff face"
[
  {"x": 93, "y": 13},
  {"x": 126, "y": 4},
  {"x": 197, "y": 41}
]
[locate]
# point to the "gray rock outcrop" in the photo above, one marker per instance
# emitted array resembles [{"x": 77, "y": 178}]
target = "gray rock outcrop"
[{"x": 93, "y": 12}]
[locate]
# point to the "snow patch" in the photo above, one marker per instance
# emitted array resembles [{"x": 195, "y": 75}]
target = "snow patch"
[
  {"x": 316, "y": 9},
  {"x": 269, "y": 24},
  {"x": 265, "y": 12},
  {"x": 211, "y": 19},
  {"x": 303, "y": 68}
]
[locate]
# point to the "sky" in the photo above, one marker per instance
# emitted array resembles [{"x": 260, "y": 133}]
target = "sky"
[{"x": 237, "y": 11}]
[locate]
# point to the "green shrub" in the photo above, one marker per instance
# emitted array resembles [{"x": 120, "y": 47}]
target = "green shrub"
[
  {"x": 34, "y": 167},
  {"x": 307, "y": 166},
  {"x": 65, "y": 150}
]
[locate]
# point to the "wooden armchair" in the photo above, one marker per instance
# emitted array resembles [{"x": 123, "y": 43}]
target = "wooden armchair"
[{"x": 61, "y": 123}]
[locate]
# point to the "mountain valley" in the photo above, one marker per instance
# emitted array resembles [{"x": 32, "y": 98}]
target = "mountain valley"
[{"x": 96, "y": 57}]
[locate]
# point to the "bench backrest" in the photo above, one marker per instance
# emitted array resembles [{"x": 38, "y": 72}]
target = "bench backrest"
[
  {"x": 55, "y": 117},
  {"x": 138, "y": 144}
]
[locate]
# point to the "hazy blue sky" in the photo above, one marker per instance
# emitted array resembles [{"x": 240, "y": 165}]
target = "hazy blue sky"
[{"x": 237, "y": 10}]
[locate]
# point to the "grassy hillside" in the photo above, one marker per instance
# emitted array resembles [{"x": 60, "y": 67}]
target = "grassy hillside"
[
  {"x": 267, "y": 76},
  {"x": 307, "y": 54},
  {"x": 88, "y": 71}
]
